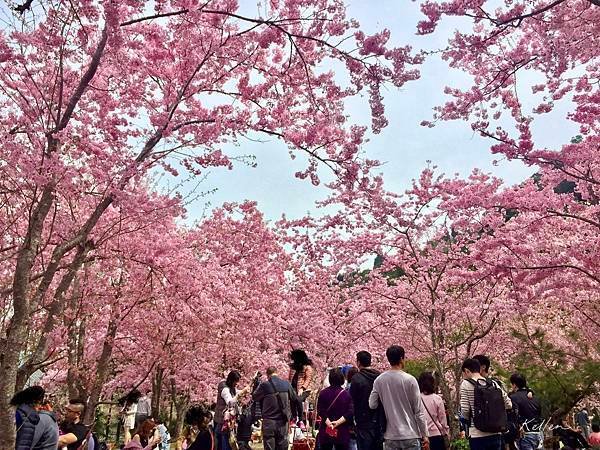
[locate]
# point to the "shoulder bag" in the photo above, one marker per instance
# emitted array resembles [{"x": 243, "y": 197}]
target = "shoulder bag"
[
  {"x": 444, "y": 435},
  {"x": 329, "y": 431}
]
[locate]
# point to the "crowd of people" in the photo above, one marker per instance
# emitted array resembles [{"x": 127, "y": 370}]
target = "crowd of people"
[{"x": 357, "y": 408}]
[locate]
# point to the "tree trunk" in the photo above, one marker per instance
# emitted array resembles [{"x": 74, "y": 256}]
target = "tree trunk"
[
  {"x": 157, "y": 383},
  {"x": 75, "y": 339},
  {"x": 102, "y": 369},
  {"x": 55, "y": 309},
  {"x": 16, "y": 333},
  {"x": 181, "y": 403}
]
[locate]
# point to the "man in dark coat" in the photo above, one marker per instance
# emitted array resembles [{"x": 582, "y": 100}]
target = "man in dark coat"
[{"x": 369, "y": 422}]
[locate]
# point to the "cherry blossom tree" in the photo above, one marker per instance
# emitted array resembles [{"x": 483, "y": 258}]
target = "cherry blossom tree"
[
  {"x": 96, "y": 94},
  {"x": 402, "y": 270},
  {"x": 534, "y": 64},
  {"x": 543, "y": 53}
]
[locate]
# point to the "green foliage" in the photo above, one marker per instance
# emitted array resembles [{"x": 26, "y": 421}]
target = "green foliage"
[
  {"x": 105, "y": 425},
  {"x": 100, "y": 422},
  {"x": 460, "y": 444},
  {"x": 577, "y": 139},
  {"x": 560, "y": 380},
  {"x": 417, "y": 366}
]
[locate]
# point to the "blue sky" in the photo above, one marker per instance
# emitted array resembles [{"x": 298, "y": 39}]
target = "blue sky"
[{"x": 404, "y": 146}]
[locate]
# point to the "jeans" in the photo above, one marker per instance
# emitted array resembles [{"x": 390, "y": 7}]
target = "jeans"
[
  {"x": 221, "y": 438},
  {"x": 530, "y": 441},
  {"x": 404, "y": 444},
  {"x": 493, "y": 442},
  {"x": 275, "y": 434},
  {"x": 368, "y": 438}
]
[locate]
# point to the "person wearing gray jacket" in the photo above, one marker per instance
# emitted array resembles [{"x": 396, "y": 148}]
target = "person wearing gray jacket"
[
  {"x": 36, "y": 429},
  {"x": 45, "y": 436}
]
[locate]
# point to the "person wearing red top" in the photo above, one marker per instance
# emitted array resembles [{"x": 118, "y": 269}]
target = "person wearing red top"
[{"x": 594, "y": 438}]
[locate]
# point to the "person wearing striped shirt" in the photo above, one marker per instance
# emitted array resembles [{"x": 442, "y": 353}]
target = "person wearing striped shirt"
[{"x": 478, "y": 440}]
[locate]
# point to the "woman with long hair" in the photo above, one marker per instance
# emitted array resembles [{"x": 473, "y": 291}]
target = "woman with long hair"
[
  {"x": 227, "y": 409},
  {"x": 129, "y": 410},
  {"x": 300, "y": 377}
]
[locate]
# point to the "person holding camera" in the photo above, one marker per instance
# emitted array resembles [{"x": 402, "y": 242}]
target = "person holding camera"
[{"x": 226, "y": 409}]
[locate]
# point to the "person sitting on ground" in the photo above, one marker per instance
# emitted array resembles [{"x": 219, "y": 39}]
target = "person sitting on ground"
[
  {"x": 594, "y": 438},
  {"x": 584, "y": 422},
  {"x": 569, "y": 438},
  {"x": 36, "y": 427},
  {"x": 73, "y": 431},
  {"x": 146, "y": 437}
]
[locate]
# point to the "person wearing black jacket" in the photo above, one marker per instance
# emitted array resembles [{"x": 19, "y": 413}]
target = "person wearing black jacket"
[
  {"x": 369, "y": 423},
  {"x": 275, "y": 396},
  {"x": 529, "y": 412},
  {"x": 249, "y": 414}
]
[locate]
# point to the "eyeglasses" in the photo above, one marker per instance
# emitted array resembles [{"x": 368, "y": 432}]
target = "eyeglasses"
[{"x": 71, "y": 410}]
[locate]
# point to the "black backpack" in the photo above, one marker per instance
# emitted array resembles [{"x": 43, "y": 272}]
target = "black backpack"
[{"x": 489, "y": 412}]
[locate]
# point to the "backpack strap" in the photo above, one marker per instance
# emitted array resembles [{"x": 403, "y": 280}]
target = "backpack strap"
[
  {"x": 85, "y": 443},
  {"x": 24, "y": 418},
  {"x": 488, "y": 382},
  {"x": 471, "y": 381},
  {"x": 279, "y": 401}
]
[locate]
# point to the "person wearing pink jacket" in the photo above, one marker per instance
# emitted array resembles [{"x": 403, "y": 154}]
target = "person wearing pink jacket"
[{"x": 435, "y": 412}]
